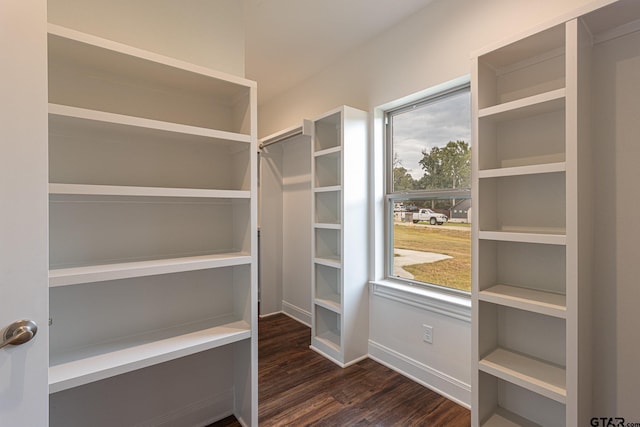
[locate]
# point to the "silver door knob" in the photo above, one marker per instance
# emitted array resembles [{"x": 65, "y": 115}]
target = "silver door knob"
[{"x": 19, "y": 333}]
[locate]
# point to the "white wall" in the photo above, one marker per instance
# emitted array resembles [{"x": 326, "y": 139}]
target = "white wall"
[
  {"x": 270, "y": 214},
  {"x": 203, "y": 32},
  {"x": 396, "y": 330},
  {"x": 296, "y": 238}
]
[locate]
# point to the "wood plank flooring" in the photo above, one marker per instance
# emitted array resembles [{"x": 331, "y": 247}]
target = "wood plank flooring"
[{"x": 298, "y": 387}]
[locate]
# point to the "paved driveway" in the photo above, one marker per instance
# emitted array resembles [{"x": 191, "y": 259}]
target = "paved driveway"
[{"x": 409, "y": 257}]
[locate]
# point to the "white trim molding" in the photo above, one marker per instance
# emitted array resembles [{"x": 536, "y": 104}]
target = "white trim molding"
[
  {"x": 297, "y": 313},
  {"x": 457, "y": 307},
  {"x": 441, "y": 383}
]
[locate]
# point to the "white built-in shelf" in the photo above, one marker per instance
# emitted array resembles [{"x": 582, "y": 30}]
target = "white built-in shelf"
[
  {"x": 526, "y": 107},
  {"x": 529, "y": 236},
  {"x": 547, "y": 303},
  {"x": 327, "y": 226},
  {"x": 99, "y": 273},
  {"x": 69, "y": 35},
  {"x": 327, "y": 189},
  {"x": 528, "y": 48},
  {"x": 329, "y": 304},
  {"x": 536, "y": 160},
  {"x": 532, "y": 374},
  {"x": 328, "y": 151},
  {"x": 106, "y": 360},
  {"x": 503, "y": 418},
  {"x": 523, "y": 170},
  {"x": 339, "y": 308},
  {"x": 120, "y": 59},
  {"x": 64, "y": 116},
  {"x": 61, "y": 190},
  {"x": 151, "y": 189},
  {"x": 329, "y": 262}
]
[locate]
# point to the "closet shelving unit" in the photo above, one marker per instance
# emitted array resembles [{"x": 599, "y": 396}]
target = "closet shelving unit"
[
  {"x": 521, "y": 277},
  {"x": 152, "y": 214},
  {"x": 532, "y": 237},
  {"x": 339, "y": 235}
]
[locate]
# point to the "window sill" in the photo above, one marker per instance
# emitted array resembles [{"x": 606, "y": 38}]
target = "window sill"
[{"x": 457, "y": 307}]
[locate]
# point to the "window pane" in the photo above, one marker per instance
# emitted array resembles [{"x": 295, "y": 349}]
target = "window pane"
[
  {"x": 430, "y": 228},
  {"x": 431, "y": 144},
  {"x": 424, "y": 250}
]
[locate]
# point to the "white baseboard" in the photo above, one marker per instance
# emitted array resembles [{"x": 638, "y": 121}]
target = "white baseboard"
[
  {"x": 200, "y": 413},
  {"x": 262, "y": 316},
  {"x": 296, "y": 313},
  {"x": 441, "y": 383}
]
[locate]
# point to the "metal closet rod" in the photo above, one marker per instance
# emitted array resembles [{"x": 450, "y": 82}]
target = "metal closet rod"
[{"x": 305, "y": 129}]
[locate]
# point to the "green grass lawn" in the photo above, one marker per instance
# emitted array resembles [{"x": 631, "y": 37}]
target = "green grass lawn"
[{"x": 455, "y": 272}]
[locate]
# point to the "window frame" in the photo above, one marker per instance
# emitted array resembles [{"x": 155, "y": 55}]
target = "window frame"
[{"x": 390, "y": 197}]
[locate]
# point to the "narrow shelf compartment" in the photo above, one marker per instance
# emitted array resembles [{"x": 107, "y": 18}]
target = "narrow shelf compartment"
[
  {"x": 91, "y": 72},
  {"x": 523, "y": 170},
  {"x": 328, "y": 286},
  {"x": 119, "y": 229},
  {"x": 503, "y": 405},
  {"x": 328, "y": 208},
  {"x": 328, "y": 243},
  {"x": 532, "y": 374},
  {"x": 328, "y": 327},
  {"x": 328, "y": 133},
  {"x": 528, "y": 276},
  {"x": 89, "y": 147},
  {"x": 331, "y": 339},
  {"x": 522, "y": 68},
  {"x": 61, "y": 190},
  {"x": 327, "y": 169},
  {"x": 530, "y": 140},
  {"x": 98, "y": 362},
  {"x": 530, "y": 106},
  {"x": 99, "y": 273},
  {"x": 523, "y": 204},
  {"x": 546, "y": 303},
  {"x": 132, "y": 323}
]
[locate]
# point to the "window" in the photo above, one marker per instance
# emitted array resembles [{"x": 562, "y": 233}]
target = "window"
[{"x": 428, "y": 196}]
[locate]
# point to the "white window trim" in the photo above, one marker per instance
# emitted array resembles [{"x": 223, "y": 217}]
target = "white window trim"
[{"x": 447, "y": 303}]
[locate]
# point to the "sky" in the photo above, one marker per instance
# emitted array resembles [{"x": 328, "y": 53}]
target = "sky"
[{"x": 434, "y": 124}]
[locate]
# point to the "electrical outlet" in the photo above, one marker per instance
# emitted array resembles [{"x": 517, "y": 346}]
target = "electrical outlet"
[{"x": 427, "y": 334}]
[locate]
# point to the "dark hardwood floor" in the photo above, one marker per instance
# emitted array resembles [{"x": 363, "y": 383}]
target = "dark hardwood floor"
[{"x": 298, "y": 387}]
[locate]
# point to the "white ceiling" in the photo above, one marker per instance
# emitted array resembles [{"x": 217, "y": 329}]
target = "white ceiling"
[{"x": 288, "y": 41}]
